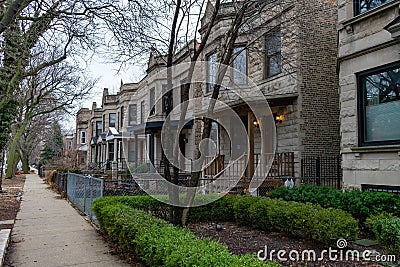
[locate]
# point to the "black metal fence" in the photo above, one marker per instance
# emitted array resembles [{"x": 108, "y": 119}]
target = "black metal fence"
[
  {"x": 128, "y": 187},
  {"x": 381, "y": 188},
  {"x": 61, "y": 182},
  {"x": 322, "y": 171}
]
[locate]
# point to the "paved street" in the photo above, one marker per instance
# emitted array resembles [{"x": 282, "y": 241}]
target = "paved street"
[{"x": 49, "y": 232}]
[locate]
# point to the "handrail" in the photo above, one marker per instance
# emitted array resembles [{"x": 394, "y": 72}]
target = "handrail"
[
  {"x": 209, "y": 164},
  {"x": 229, "y": 165}
]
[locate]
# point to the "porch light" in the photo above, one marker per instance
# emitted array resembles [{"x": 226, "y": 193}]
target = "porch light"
[
  {"x": 278, "y": 118},
  {"x": 256, "y": 123}
]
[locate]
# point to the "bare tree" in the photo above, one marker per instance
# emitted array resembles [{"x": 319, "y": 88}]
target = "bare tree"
[
  {"x": 29, "y": 28},
  {"x": 164, "y": 27},
  {"x": 37, "y": 130},
  {"x": 50, "y": 90}
]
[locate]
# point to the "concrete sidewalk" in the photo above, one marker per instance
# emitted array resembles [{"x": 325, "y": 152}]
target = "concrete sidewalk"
[{"x": 49, "y": 232}]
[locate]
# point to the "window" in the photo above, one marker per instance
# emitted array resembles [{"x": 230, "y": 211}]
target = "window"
[
  {"x": 379, "y": 105},
  {"x": 83, "y": 137},
  {"x": 104, "y": 121},
  {"x": 99, "y": 128},
  {"x": 142, "y": 112},
  {"x": 166, "y": 95},
  {"x": 69, "y": 145},
  {"x": 183, "y": 84},
  {"x": 131, "y": 151},
  {"x": 111, "y": 152},
  {"x": 121, "y": 151},
  {"x": 239, "y": 65},
  {"x": 112, "y": 119},
  {"x": 152, "y": 101},
  {"x": 361, "y": 6},
  {"x": 122, "y": 117},
  {"x": 274, "y": 57},
  {"x": 132, "y": 114},
  {"x": 211, "y": 71},
  {"x": 213, "y": 146}
]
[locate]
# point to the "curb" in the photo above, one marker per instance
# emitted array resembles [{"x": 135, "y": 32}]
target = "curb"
[{"x": 4, "y": 239}]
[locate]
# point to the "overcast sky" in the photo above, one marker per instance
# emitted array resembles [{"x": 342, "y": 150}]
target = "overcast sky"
[{"x": 110, "y": 78}]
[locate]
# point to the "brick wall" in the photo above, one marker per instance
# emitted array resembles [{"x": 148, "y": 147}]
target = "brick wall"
[{"x": 319, "y": 112}]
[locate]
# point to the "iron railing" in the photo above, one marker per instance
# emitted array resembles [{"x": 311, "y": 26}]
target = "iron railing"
[
  {"x": 322, "y": 171},
  {"x": 61, "y": 182}
]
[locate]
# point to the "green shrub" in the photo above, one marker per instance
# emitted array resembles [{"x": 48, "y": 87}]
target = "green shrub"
[
  {"x": 369, "y": 222},
  {"x": 297, "y": 219},
  {"x": 307, "y": 193},
  {"x": 241, "y": 207},
  {"x": 161, "y": 244},
  {"x": 220, "y": 210},
  {"x": 360, "y": 205},
  {"x": 387, "y": 231},
  {"x": 307, "y": 220}
]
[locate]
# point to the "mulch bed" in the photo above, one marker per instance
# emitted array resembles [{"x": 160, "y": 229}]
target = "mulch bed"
[
  {"x": 242, "y": 240},
  {"x": 8, "y": 198}
]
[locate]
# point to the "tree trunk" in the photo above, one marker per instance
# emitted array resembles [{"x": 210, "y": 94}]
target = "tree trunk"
[
  {"x": 3, "y": 154},
  {"x": 172, "y": 191},
  {"x": 25, "y": 161},
  {"x": 12, "y": 158},
  {"x": 225, "y": 61},
  {"x": 13, "y": 155}
]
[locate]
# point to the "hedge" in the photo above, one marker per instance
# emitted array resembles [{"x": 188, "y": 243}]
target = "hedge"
[
  {"x": 297, "y": 219},
  {"x": 159, "y": 243},
  {"x": 360, "y": 205},
  {"x": 387, "y": 231}
]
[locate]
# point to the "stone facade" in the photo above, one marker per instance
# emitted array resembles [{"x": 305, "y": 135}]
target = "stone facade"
[
  {"x": 303, "y": 92},
  {"x": 82, "y": 134},
  {"x": 366, "y": 44}
]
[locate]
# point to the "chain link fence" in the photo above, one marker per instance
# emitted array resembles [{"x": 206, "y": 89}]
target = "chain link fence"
[{"x": 82, "y": 190}]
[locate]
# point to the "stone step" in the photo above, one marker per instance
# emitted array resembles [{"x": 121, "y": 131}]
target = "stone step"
[{"x": 4, "y": 238}]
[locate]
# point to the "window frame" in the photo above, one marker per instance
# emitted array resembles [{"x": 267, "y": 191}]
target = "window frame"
[
  {"x": 99, "y": 130},
  {"x": 267, "y": 56},
  {"x": 361, "y": 107},
  {"x": 152, "y": 100},
  {"x": 142, "y": 111},
  {"x": 357, "y": 7},
  {"x": 93, "y": 129},
  {"x": 82, "y": 137},
  {"x": 182, "y": 90},
  {"x": 164, "y": 92},
  {"x": 210, "y": 86},
  {"x": 132, "y": 114},
  {"x": 69, "y": 145},
  {"x": 244, "y": 49},
  {"x": 121, "y": 122},
  {"x": 109, "y": 120}
]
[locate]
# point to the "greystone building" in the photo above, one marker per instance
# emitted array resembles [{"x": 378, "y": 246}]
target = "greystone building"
[
  {"x": 369, "y": 85},
  {"x": 290, "y": 55}
]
